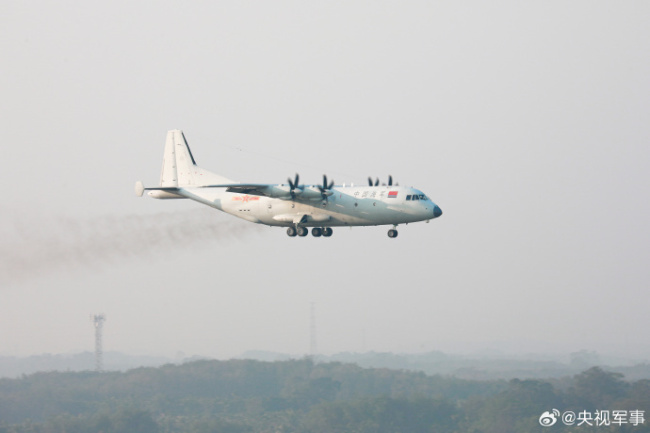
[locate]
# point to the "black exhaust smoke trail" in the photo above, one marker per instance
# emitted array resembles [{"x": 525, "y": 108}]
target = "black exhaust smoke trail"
[{"x": 36, "y": 247}]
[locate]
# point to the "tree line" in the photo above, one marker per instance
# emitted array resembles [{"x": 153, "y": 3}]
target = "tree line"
[{"x": 306, "y": 397}]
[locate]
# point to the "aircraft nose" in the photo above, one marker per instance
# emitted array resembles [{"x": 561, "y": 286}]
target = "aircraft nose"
[{"x": 436, "y": 211}]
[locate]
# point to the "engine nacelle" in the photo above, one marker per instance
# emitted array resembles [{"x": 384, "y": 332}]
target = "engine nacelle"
[
  {"x": 311, "y": 193},
  {"x": 281, "y": 191}
]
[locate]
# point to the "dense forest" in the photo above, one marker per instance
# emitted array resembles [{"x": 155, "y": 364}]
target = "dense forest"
[{"x": 303, "y": 396}]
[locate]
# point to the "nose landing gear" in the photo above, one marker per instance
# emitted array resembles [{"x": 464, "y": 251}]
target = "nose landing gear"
[{"x": 392, "y": 233}]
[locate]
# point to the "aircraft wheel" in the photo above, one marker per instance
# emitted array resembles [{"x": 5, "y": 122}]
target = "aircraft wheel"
[
  {"x": 327, "y": 232},
  {"x": 302, "y": 231},
  {"x": 291, "y": 231},
  {"x": 316, "y": 232},
  {"x": 392, "y": 233}
]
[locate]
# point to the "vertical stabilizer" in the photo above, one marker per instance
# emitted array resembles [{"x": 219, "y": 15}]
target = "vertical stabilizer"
[
  {"x": 179, "y": 167},
  {"x": 185, "y": 164},
  {"x": 168, "y": 174}
]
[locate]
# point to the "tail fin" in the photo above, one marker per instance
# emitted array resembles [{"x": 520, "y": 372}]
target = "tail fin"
[
  {"x": 168, "y": 174},
  {"x": 179, "y": 167}
]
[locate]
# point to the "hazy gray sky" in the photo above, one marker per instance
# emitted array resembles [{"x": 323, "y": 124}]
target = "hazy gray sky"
[{"x": 527, "y": 122}]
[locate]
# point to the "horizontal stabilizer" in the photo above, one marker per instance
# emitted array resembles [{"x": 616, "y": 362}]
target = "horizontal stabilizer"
[{"x": 164, "y": 192}]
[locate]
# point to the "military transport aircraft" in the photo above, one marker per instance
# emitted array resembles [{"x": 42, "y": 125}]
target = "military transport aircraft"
[{"x": 290, "y": 205}]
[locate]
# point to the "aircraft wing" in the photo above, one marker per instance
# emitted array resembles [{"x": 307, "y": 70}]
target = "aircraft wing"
[
  {"x": 245, "y": 188},
  {"x": 252, "y": 189},
  {"x": 284, "y": 192},
  {"x": 259, "y": 189}
]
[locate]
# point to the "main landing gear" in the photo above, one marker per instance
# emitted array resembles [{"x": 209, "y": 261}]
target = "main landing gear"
[
  {"x": 316, "y": 231},
  {"x": 300, "y": 231},
  {"x": 325, "y": 231}
]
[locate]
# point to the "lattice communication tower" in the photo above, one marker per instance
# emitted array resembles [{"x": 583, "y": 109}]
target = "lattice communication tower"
[
  {"x": 98, "y": 321},
  {"x": 313, "y": 346}
]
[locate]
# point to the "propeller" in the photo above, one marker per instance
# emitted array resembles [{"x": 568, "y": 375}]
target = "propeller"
[
  {"x": 370, "y": 181},
  {"x": 325, "y": 189},
  {"x": 390, "y": 181},
  {"x": 293, "y": 186}
]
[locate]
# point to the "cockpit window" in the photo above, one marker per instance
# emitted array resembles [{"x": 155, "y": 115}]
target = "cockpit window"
[{"x": 416, "y": 197}]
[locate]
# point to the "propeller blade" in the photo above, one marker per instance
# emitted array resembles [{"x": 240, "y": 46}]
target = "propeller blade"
[
  {"x": 293, "y": 185},
  {"x": 327, "y": 186},
  {"x": 390, "y": 180},
  {"x": 369, "y": 181},
  {"x": 377, "y": 182},
  {"x": 325, "y": 189}
]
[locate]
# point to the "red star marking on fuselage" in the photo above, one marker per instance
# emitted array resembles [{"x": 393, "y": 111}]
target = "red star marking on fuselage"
[{"x": 245, "y": 198}]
